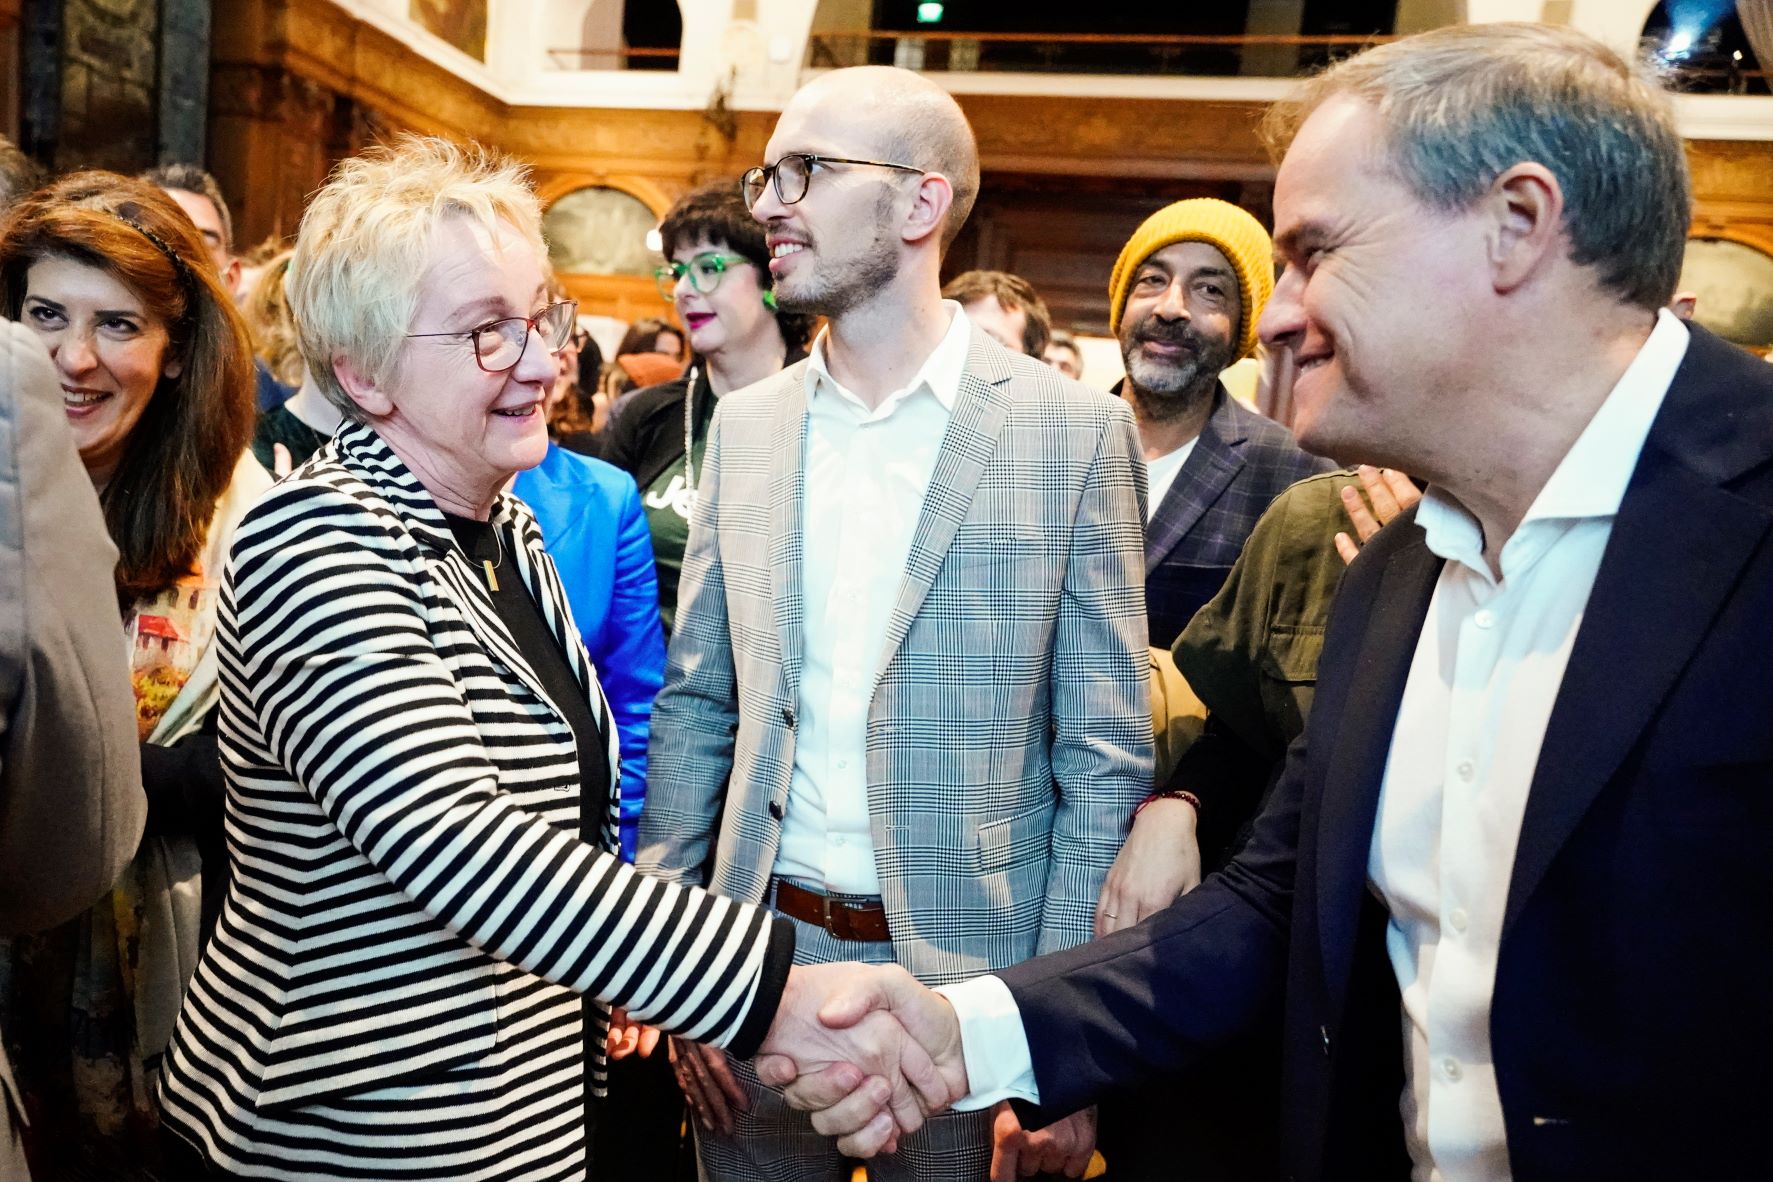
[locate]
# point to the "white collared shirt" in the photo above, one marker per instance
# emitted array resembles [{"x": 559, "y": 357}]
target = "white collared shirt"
[
  {"x": 1486, "y": 671},
  {"x": 866, "y": 475}
]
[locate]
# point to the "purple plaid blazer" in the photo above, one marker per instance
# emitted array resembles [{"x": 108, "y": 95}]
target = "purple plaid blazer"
[{"x": 1241, "y": 463}]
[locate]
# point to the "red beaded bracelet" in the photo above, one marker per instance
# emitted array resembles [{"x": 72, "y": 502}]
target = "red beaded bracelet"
[{"x": 1171, "y": 794}]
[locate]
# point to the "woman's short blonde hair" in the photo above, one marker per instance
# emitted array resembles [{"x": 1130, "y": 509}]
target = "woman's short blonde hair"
[{"x": 365, "y": 241}]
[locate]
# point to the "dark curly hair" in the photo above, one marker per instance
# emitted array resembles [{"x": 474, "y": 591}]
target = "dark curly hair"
[{"x": 716, "y": 213}]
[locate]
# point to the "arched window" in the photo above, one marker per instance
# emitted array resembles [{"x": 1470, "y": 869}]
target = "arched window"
[
  {"x": 614, "y": 34},
  {"x": 1734, "y": 286},
  {"x": 598, "y": 230}
]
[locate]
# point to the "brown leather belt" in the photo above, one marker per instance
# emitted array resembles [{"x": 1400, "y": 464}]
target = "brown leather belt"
[{"x": 862, "y": 920}]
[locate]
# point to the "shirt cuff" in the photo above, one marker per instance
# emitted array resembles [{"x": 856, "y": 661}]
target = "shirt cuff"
[{"x": 993, "y": 1043}]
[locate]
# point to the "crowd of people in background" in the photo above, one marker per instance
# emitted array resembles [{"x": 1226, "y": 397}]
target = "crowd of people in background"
[{"x": 529, "y": 742}]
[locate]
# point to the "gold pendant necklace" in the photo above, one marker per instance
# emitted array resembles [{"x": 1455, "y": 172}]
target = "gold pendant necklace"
[{"x": 492, "y": 580}]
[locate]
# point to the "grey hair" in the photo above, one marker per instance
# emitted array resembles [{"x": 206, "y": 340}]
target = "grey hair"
[
  {"x": 1461, "y": 105},
  {"x": 364, "y": 246}
]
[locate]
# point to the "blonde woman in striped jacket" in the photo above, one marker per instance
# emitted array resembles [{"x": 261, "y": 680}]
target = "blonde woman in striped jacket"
[{"x": 422, "y": 785}]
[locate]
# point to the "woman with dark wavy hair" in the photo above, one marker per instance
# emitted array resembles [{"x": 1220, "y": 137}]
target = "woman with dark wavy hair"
[
  {"x": 717, "y": 275},
  {"x": 157, "y": 385}
]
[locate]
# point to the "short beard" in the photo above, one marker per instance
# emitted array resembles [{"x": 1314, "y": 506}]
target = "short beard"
[
  {"x": 1165, "y": 392},
  {"x": 845, "y": 284}
]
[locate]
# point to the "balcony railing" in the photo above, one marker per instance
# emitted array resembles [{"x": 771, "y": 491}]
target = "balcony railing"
[
  {"x": 621, "y": 57},
  {"x": 1251, "y": 54}
]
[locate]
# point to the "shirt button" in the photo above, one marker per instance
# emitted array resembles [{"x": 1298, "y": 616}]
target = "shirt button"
[
  {"x": 843, "y": 763},
  {"x": 1465, "y": 769},
  {"x": 840, "y": 840},
  {"x": 1451, "y": 1069},
  {"x": 1457, "y": 919},
  {"x": 1485, "y": 618}
]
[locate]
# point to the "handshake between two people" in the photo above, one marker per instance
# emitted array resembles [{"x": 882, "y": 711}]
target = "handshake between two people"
[
  {"x": 867, "y": 1050},
  {"x": 870, "y": 1053}
]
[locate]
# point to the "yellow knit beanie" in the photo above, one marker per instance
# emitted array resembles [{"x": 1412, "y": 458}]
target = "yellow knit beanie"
[{"x": 1220, "y": 224}]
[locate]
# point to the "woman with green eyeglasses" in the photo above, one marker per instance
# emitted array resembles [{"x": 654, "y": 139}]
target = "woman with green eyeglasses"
[{"x": 718, "y": 278}]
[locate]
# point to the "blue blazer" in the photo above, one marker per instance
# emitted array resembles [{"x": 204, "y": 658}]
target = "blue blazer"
[
  {"x": 594, "y": 529},
  {"x": 1630, "y": 1020}
]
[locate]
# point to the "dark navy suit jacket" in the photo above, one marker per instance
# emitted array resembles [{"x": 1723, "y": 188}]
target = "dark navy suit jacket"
[
  {"x": 1630, "y": 1024},
  {"x": 1241, "y": 462}
]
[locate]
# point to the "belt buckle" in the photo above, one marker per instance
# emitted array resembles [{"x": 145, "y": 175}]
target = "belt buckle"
[{"x": 830, "y": 923}]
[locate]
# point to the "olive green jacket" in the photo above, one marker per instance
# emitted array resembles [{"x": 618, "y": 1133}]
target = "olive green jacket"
[{"x": 1251, "y": 656}]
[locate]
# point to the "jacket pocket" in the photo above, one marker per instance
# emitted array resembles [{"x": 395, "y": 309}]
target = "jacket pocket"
[
  {"x": 1017, "y": 838},
  {"x": 1292, "y": 651},
  {"x": 381, "y": 1027}
]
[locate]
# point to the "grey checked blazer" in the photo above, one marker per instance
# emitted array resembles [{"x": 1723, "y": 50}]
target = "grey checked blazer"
[{"x": 1009, "y": 728}]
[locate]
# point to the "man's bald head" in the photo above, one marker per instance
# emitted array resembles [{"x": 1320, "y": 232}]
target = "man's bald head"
[{"x": 906, "y": 119}]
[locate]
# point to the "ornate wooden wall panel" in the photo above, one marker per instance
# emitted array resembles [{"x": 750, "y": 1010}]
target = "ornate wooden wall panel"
[
  {"x": 1733, "y": 190},
  {"x": 1140, "y": 138},
  {"x": 109, "y": 61},
  {"x": 299, "y": 84},
  {"x": 11, "y": 16}
]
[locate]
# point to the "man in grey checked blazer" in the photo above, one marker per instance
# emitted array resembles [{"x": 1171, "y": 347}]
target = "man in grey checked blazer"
[{"x": 915, "y": 568}]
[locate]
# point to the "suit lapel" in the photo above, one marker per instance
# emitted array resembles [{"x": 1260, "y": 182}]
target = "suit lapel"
[
  {"x": 1360, "y": 746},
  {"x": 464, "y": 579},
  {"x": 787, "y": 486},
  {"x": 1216, "y": 458},
  {"x": 1677, "y": 549},
  {"x": 542, "y": 579},
  {"x": 418, "y": 512},
  {"x": 980, "y": 408}
]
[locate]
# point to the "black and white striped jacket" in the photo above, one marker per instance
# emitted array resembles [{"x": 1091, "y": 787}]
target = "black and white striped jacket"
[{"x": 393, "y": 987}]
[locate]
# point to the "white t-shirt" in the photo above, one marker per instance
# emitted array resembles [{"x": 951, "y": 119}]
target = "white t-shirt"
[{"x": 1161, "y": 473}]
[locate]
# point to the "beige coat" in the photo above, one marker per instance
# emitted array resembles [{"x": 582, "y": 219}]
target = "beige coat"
[{"x": 71, "y": 803}]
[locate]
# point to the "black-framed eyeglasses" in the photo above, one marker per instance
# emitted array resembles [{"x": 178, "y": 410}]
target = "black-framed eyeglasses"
[
  {"x": 705, "y": 272},
  {"x": 499, "y": 344},
  {"x": 793, "y": 172}
]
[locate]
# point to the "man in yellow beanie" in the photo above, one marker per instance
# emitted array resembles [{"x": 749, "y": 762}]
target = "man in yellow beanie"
[{"x": 1183, "y": 299}]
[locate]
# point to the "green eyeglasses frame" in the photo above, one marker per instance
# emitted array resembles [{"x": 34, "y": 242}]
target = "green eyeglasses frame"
[{"x": 705, "y": 272}]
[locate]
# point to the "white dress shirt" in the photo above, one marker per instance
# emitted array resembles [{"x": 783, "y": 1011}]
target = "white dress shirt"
[
  {"x": 1485, "y": 674},
  {"x": 866, "y": 476},
  {"x": 1486, "y": 671}
]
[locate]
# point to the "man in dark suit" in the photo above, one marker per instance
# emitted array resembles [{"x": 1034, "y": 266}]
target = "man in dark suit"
[
  {"x": 1512, "y": 883},
  {"x": 1184, "y": 298}
]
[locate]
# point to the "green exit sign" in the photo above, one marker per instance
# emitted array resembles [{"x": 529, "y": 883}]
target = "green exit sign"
[{"x": 929, "y": 13}]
